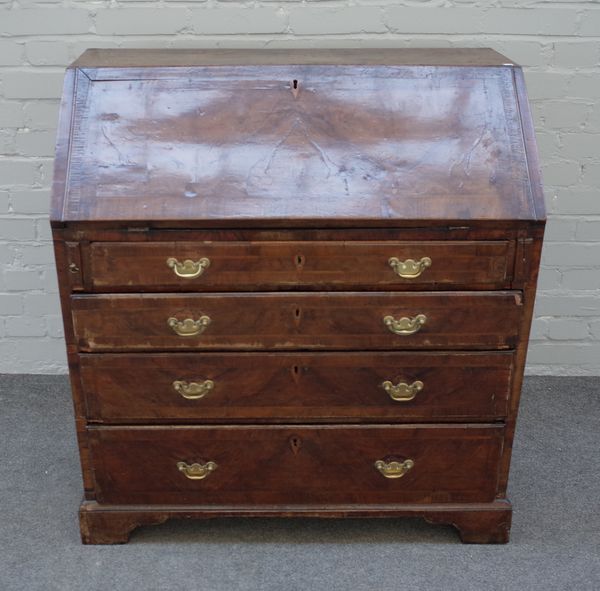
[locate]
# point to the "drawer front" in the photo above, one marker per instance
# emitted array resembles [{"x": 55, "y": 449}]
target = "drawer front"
[
  {"x": 249, "y": 266},
  {"x": 296, "y": 465},
  {"x": 416, "y": 320},
  {"x": 296, "y": 386}
]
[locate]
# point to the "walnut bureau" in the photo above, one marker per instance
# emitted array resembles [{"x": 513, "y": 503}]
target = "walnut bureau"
[{"x": 296, "y": 283}]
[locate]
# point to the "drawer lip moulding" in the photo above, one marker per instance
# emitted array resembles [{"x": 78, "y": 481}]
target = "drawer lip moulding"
[
  {"x": 317, "y": 386},
  {"x": 283, "y": 321}
]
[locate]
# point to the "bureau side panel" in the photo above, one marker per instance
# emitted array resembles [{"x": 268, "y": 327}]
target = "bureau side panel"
[
  {"x": 69, "y": 279},
  {"x": 527, "y": 268}
]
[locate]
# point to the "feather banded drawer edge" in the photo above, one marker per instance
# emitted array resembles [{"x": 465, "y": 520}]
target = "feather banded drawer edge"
[{"x": 296, "y": 283}]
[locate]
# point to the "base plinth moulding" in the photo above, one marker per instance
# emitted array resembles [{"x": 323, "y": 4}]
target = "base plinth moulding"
[{"x": 480, "y": 523}]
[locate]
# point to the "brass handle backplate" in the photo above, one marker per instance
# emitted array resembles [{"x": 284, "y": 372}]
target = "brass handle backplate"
[
  {"x": 402, "y": 392},
  {"x": 404, "y": 325},
  {"x": 193, "y": 390},
  {"x": 196, "y": 471},
  {"x": 409, "y": 269},
  {"x": 394, "y": 469},
  {"x": 188, "y": 269},
  {"x": 189, "y": 327}
]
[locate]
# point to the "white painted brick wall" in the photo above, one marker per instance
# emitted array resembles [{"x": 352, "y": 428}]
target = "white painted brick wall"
[{"x": 558, "y": 43}]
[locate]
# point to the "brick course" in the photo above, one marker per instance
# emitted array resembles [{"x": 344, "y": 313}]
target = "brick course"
[{"x": 557, "y": 43}]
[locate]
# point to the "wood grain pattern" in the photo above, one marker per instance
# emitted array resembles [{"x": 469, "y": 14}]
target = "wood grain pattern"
[
  {"x": 281, "y": 321},
  {"x": 300, "y": 464},
  {"x": 479, "y": 523},
  {"x": 119, "y": 59},
  {"x": 248, "y": 143},
  {"x": 296, "y": 265},
  {"x": 294, "y": 387},
  {"x": 297, "y": 173}
]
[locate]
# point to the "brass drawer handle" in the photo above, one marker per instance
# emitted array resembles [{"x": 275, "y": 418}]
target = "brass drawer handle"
[
  {"x": 409, "y": 269},
  {"x": 189, "y": 327},
  {"x": 188, "y": 269},
  {"x": 193, "y": 390},
  {"x": 402, "y": 392},
  {"x": 394, "y": 469},
  {"x": 405, "y": 325},
  {"x": 196, "y": 471}
]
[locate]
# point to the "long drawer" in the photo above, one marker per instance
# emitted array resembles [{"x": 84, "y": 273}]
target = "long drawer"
[
  {"x": 294, "y": 387},
  {"x": 277, "y": 321},
  {"x": 296, "y": 464},
  {"x": 296, "y": 265}
]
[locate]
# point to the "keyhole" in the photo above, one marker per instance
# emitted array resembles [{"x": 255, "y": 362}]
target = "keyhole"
[
  {"x": 297, "y": 312},
  {"x": 295, "y": 88},
  {"x": 295, "y": 444},
  {"x": 299, "y": 261},
  {"x": 295, "y": 370}
]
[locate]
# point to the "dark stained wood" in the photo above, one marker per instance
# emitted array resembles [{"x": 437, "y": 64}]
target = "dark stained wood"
[
  {"x": 296, "y": 172},
  {"x": 296, "y": 386},
  {"x": 295, "y": 265},
  {"x": 64, "y": 257},
  {"x": 530, "y": 255},
  {"x": 455, "y": 320},
  {"x": 531, "y": 151},
  {"x": 299, "y": 464},
  {"x": 481, "y": 523},
  {"x": 232, "y": 143}
]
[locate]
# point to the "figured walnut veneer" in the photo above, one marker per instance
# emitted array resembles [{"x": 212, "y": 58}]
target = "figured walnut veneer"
[{"x": 296, "y": 283}]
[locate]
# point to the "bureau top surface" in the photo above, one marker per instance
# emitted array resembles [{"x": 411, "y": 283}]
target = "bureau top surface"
[{"x": 295, "y": 138}]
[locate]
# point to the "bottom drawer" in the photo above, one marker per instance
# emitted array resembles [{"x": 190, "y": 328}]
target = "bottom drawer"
[{"x": 296, "y": 464}]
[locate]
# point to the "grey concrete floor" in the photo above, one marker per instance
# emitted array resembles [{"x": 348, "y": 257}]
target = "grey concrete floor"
[{"x": 555, "y": 489}]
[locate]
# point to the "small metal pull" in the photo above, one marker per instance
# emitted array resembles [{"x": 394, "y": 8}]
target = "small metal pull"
[
  {"x": 193, "y": 390},
  {"x": 409, "y": 269},
  {"x": 196, "y": 471},
  {"x": 188, "y": 269},
  {"x": 404, "y": 325},
  {"x": 189, "y": 327},
  {"x": 394, "y": 469},
  {"x": 402, "y": 392}
]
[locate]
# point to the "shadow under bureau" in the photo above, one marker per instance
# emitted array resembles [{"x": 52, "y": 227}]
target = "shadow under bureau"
[{"x": 296, "y": 283}]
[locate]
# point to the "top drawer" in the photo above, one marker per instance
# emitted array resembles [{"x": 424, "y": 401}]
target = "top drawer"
[{"x": 243, "y": 266}]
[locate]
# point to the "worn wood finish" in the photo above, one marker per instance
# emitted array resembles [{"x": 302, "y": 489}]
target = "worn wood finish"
[
  {"x": 487, "y": 320},
  {"x": 291, "y": 265},
  {"x": 116, "y": 59},
  {"x": 293, "y": 387},
  {"x": 299, "y": 174},
  {"x": 296, "y": 465},
  {"x": 224, "y": 143},
  {"x": 476, "y": 523}
]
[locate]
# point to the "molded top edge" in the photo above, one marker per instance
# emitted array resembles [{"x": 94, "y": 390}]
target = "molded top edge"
[{"x": 148, "y": 58}]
